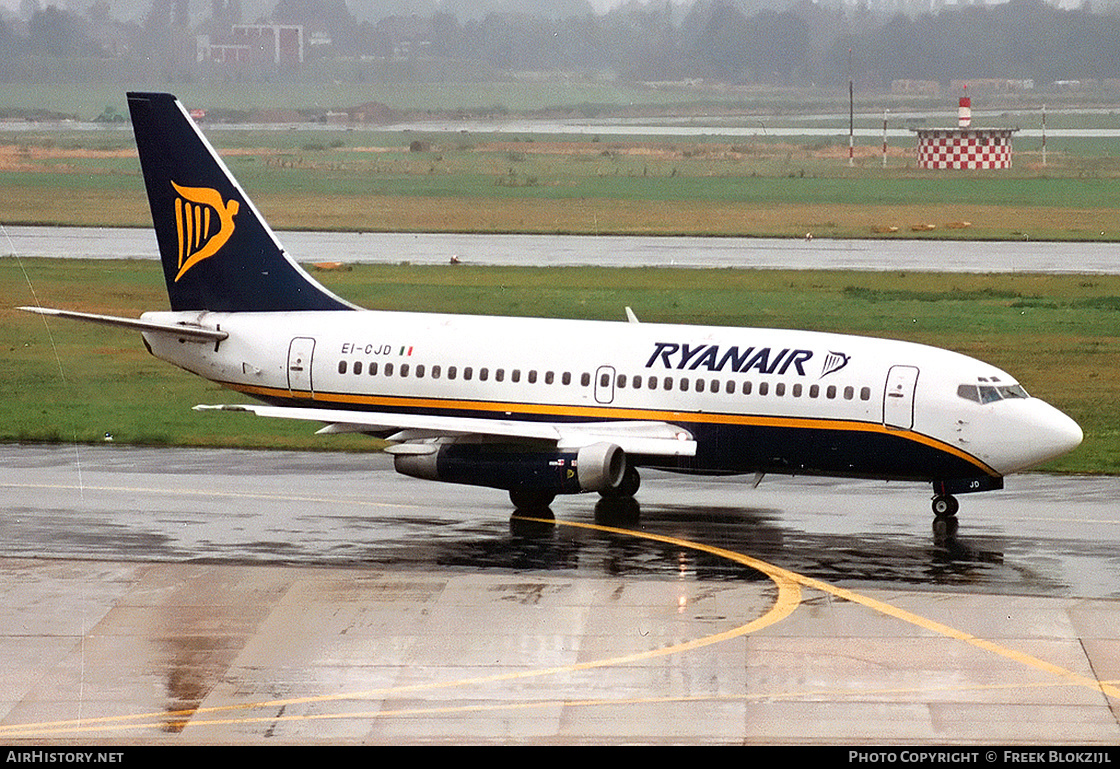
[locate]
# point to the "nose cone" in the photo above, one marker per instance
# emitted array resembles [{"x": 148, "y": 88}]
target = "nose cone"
[{"x": 1044, "y": 433}]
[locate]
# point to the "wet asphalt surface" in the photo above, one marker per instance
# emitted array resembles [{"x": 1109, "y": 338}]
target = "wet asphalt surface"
[{"x": 1043, "y": 535}]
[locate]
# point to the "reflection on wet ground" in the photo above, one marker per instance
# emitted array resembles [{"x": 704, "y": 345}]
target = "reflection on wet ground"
[
  {"x": 147, "y": 598},
  {"x": 1045, "y": 536}
]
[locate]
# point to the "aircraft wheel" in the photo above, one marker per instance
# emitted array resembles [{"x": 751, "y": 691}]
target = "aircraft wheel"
[
  {"x": 631, "y": 482},
  {"x": 531, "y": 499},
  {"x": 945, "y": 506}
]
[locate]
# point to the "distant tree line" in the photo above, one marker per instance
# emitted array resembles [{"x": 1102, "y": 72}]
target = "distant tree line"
[{"x": 724, "y": 40}]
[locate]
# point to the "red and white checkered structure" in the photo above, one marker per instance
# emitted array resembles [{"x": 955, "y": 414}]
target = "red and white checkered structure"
[{"x": 964, "y": 147}]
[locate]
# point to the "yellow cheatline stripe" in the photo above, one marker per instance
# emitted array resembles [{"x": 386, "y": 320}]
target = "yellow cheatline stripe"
[
  {"x": 788, "y": 599},
  {"x": 503, "y": 409}
]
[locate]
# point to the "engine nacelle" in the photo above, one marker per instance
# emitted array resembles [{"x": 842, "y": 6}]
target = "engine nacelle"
[{"x": 598, "y": 467}]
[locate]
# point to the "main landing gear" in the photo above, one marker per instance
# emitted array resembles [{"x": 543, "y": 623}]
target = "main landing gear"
[
  {"x": 627, "y": 487},
  {"x": 532, "y": 500},
  {"x": 945, "y": 522},
  {"x": 535, "y": 502}
]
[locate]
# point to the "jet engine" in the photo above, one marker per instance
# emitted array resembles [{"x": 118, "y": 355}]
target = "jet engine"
[{"x": 598, "y": 467}]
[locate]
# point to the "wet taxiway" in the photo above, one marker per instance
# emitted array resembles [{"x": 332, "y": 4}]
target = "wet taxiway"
[{"x": 237, "y": 596}]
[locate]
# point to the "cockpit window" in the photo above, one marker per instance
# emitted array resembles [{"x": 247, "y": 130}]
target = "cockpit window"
[
  {"x": 969, "y": 393},
  {"x": 990, "y": 393}
]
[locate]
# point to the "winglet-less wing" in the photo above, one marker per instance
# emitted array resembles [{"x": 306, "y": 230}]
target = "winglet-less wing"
[{"x": 650, "y": 438}]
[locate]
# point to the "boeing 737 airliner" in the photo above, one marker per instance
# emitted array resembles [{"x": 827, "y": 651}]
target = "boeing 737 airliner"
[{"x": 541, "y": 407}]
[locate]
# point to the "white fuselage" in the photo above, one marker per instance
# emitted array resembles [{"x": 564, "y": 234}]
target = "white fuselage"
[{"x": 756, "y": 399}]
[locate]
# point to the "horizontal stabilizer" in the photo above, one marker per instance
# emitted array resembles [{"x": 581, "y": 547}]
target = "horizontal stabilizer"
[{"x": 199, "y": 333}]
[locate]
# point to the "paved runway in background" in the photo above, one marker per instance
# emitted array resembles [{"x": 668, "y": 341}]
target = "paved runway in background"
[
  {"x": 607, "y": 251},
  {"x": 184, "y": 596}
]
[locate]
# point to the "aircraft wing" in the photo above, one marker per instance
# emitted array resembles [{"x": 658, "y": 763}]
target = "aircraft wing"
[{"x": 418, "y": 433}]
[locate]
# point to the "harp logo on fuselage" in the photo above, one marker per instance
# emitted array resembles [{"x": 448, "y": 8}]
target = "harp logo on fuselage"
[
  {"x": 204, "y": 223},
  {"x": 834, "y": 361}
]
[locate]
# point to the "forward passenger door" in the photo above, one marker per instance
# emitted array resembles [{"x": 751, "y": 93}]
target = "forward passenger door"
[{"x": 898, "y": 398}]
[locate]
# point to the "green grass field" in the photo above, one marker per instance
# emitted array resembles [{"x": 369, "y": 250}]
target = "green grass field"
[
  {"x": 65, "y": 381},
  {"x": 1058, "y": 334},
  {"x": 370, "y": 180}
]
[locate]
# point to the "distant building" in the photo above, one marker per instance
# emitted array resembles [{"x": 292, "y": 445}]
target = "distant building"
[
  {"x": 916, "y": 87},
  {"x": 277, "y": 44},
  {"x": 993, "y": 85}
]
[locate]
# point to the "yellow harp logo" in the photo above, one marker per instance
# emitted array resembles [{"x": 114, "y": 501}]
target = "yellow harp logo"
[{"x": 200, "y": 236}]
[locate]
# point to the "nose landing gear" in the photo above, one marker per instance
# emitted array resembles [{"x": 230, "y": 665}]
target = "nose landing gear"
[
  {"x": 945, "y": 505},
  {"x": 945, "y": 522}
]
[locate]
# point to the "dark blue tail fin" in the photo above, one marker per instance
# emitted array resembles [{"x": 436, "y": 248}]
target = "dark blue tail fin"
[{"x": 218, "y": 253}]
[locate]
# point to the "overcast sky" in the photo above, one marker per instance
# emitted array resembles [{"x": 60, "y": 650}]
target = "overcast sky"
[{"x": 598, "y": 5}]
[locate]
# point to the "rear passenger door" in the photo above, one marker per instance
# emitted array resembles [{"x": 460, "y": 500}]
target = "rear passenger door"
[{"x": 300, "y": 353}]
